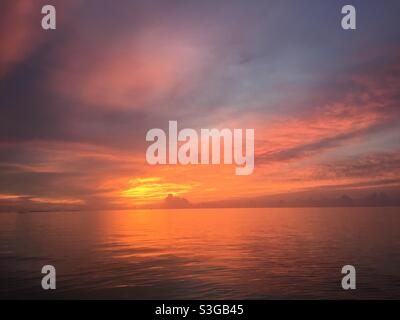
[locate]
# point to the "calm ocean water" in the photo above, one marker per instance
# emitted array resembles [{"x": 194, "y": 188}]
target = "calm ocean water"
[{"x": 202, "y": 253}]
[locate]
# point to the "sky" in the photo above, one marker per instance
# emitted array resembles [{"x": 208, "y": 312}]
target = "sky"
[{"x": 76, "y": 102}]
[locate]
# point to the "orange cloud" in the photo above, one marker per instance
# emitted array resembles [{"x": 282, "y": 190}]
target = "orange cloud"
[
  {"x": 145, "y": 71},
  {"x": 58, "y": 201},
  {"x": 11, "y": 196}
]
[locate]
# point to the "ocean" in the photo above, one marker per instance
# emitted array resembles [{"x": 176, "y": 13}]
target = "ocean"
[{"x": 262, "y": 253}]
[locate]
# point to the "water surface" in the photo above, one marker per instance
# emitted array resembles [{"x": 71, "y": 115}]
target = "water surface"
[{"x": 202, "y": 253}]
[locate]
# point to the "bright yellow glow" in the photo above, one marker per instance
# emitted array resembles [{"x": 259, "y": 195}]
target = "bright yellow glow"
[{"x": 153, "y": 188}]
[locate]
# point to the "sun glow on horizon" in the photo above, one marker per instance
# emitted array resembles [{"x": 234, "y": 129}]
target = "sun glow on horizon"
[{"x": 145, "y": 190}]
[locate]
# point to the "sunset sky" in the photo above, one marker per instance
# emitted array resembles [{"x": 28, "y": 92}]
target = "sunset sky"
[{"x": 76, "y": 102}]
